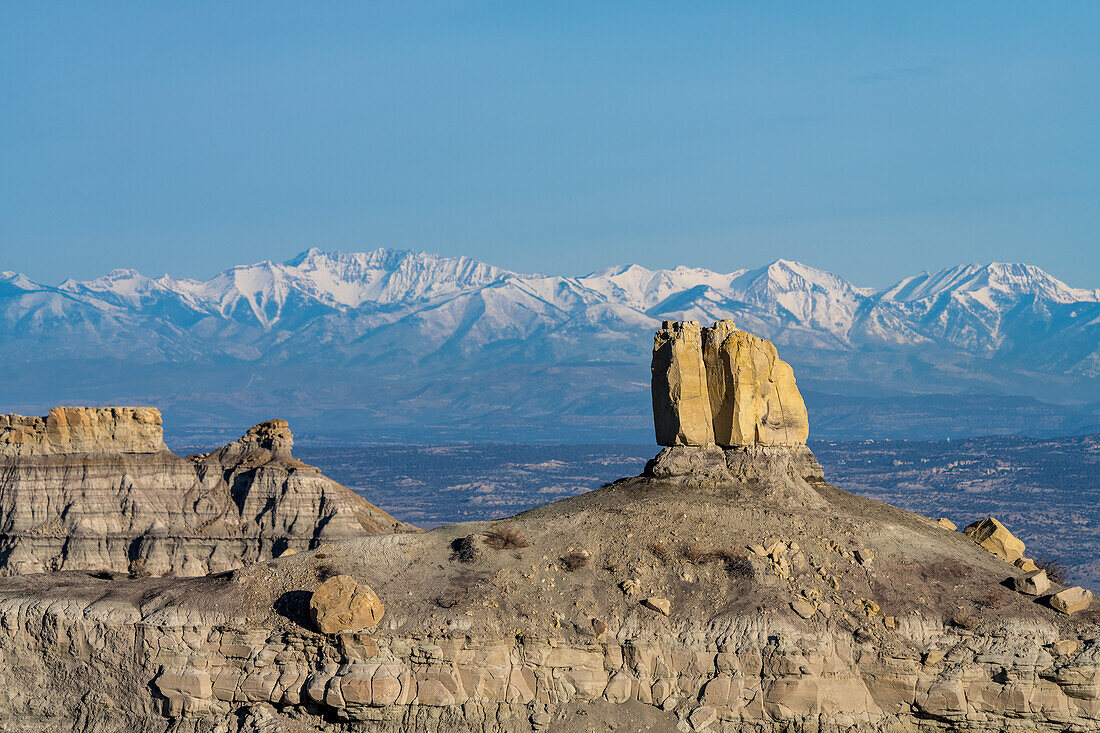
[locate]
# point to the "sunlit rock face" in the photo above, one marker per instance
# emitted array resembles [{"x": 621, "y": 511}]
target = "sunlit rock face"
[
  {"x": 723, "y": 386},
  {"x": 753, "y": 396},
  {"x": 90, "y": 430},
  {"x": 681, "y": 404}
]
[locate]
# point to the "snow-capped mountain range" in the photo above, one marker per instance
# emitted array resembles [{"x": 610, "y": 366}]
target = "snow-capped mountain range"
[{"x": 410, "y": 318}]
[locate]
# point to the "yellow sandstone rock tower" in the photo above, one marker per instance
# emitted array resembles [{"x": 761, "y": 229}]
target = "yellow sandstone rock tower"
[
  {"x": 723, "y": 386},
  {"x": 681, "y": 405}
]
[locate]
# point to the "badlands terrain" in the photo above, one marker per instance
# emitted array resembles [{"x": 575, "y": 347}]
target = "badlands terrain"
[
  {"x": 97, "y": 489},
  {"x": 548, "y": 628},
  {"x": 728, "y": 587}
]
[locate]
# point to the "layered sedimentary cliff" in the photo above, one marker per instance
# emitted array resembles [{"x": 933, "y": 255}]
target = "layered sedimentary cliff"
[
  {"x": 97, "y": 489},
  {"x": 729, "y": 588}
]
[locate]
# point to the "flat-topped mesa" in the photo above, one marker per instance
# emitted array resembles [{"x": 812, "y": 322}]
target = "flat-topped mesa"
[
  {"x": 83, "y": 430},
  {"x": 97, "y": 489},
  {"x": 745, "y": 396}
]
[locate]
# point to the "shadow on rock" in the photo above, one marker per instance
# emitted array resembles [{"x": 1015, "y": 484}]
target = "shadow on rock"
[{"x": 294, "y": 606}]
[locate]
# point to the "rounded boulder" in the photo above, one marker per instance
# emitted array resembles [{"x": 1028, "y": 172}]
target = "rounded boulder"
[{"x": 342, "y": 604}]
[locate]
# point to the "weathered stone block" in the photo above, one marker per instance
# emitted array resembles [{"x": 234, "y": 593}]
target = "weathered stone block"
[
  {"x": 681, "y": 402},
  {"x": 1071, "y": 600},
  {"x": 184, "y": 683},
  {"x": 341, "y": 604},
  {"x": 618, "y": 688},
  {"x": 753, "y": 396},
  {"x": 1034, "y": 583},
  {"x": 995, "y": 537}
]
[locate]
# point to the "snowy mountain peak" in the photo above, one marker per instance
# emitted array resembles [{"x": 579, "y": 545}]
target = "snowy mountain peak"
[
  {"x": 1014, "y": 277},
  {"x": 325, "y": 298},
  {"x": 303, "y": 256},
  {"x": 792, "y": 283},
  {"x": 18, "y": 280},
  {"x": 980, "y": 281},
  {"x": 119, "y": 277},
  {"x": 632, "y": 271},
  {"x": 789, "y": 275},
  {"x": 123, "y": 286},
  {"x": 643, "y": 289},
  {"x": 389, "y": 275},
  {"x": 316, "y": 282}
]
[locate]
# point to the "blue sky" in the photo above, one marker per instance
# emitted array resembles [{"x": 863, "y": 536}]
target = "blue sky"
[{"x": 871, "y": 139}]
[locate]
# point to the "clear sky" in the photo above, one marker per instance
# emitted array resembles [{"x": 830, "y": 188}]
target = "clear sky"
[{"x": 871, "y": 139}]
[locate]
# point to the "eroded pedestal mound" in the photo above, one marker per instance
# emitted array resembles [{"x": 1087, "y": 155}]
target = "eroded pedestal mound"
[{"x": 752, "y": 596}]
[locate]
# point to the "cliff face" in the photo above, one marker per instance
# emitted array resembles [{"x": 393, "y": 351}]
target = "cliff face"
[
  {"x": 722, "y": 386},
  {"x": 97, "y": 489},
  {"x": 82, "y": 430}
]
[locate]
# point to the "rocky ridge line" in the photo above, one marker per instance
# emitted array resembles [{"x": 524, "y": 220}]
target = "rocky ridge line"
[
  {"x": 83, "y": 430},
  {"x": 97, "y": 489}
]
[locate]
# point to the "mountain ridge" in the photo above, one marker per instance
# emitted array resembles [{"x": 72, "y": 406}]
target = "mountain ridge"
[
  {"x": 777, "y": 277},
  {"x": 313, "y": 332}
]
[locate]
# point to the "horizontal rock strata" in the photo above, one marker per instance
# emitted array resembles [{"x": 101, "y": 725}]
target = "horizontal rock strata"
[
  {"x": 82, "y": 430},
  {"x": 770, "y": 675},
  {"x": 97, "y": 489}
]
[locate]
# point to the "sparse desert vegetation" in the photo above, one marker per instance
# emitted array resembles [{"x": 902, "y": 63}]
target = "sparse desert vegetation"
[
  {"x": 506, "y": 537},
  {"x": 1057, "y": 573},
  {"x": 575, "y": 560},
  {"x": 1040, "y": 488},
  {"x": 660, "y": 551}
]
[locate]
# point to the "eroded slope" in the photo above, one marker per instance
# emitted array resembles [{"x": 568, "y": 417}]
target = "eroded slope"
[{"x": 552, "y": 619}]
